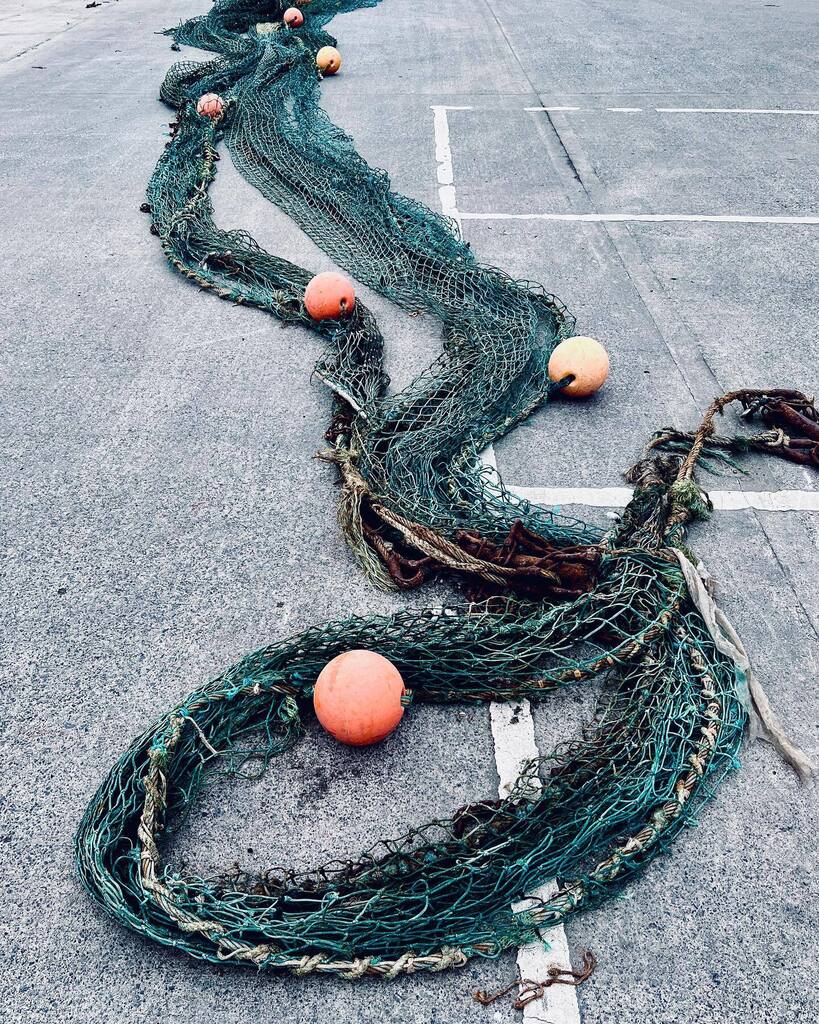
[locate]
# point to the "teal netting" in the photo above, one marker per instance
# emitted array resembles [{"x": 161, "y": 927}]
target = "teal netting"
[{"x": 554, "y": 602}]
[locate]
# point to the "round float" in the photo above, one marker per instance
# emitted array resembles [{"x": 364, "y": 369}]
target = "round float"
[{"x": 357, "y": 697}]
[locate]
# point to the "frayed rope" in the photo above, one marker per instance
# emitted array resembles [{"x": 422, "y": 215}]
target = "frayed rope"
[{"x": 765, "y": 725}]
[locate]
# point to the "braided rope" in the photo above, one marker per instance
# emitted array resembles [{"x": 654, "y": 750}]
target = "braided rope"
[{"x": 672, "y": 712}]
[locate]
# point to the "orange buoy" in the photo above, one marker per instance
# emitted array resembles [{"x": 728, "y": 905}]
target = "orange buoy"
[
  {"x": 293, "y": 17},
  {"x": 586, "y": 360},
  {"x": 357, "y": 697},
  {"x": 329, "y": 296},
  {"x": 210, "y": 105},
  {"x": 328, "y": 59}
]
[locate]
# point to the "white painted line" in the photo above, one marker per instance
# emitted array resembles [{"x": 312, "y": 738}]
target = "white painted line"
[
  {"x": 512, "y": 723},
  {"x": 449, "y": 205},
  {"x": 443, "y": 150},
  {"x": 443, "y": 157},
  {"x": 514, "y": 746},
  {"x": 735, "y": 110},
  {"x": 648, "y": 218},
  {"x": 594, "y": 497},
  {"x": 513, "y": 731},
  {"x": 767, "y": 501},
  {"x": 488, "y": 457},
  {"x": 684, "y": 110},
  {"x": 559, "y": 1003},
  {"x": 619, "y": 497},
  {"x": 449, "y": 202}
]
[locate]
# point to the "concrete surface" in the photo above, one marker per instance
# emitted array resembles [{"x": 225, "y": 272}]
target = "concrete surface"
[{"x": 163, "y": 514}]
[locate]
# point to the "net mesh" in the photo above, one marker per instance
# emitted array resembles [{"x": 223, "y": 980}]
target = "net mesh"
[{"x": 554, "y": 602}]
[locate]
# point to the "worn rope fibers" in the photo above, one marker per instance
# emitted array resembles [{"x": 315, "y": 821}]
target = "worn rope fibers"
[{"x": 559, "y": 602}]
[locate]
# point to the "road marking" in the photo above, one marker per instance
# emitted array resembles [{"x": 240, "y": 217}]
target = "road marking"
[
  {"x": 488, "y": 458},
  {"x": 735, "y": 110},
  {"x": 682, "y": 110},
  {"x": 647, "y": 218},
  {"x": 513, "y": 731},
  {"x": 619, "y": 497},
  {"x": 443, "y": 157},
  {"x": 449, "y": 203},
  {"x": 512, "y": 723}
]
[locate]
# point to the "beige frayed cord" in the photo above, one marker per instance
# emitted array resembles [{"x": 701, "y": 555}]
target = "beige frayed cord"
[{"x": 766, "y": 725}]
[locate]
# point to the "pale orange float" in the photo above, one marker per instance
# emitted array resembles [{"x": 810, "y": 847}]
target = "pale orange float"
[
  {"x": 357, "y": 697},
  {"x": 586, "y": 360},
  {"x": 293, "y": 17},
  {"x": 210, "y": 105},
  {"x": 329, "y": 296},
  {"x": 328, "y": 59}
]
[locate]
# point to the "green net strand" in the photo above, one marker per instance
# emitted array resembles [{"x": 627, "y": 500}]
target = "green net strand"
[
  {"x": 418, "y": 448},
  {"x": 449, "y": 884},
  {"x": 670, "y": 718}
]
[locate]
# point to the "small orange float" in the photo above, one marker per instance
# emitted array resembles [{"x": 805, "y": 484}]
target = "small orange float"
[
  {"x": 357, "y": 697},
  {"x": 587, "y": 362},
  {"x": 329, "y": 296},
  {"x": 210, "y": 105},
  {"x": 293, "y": 17},
  {"x": 328, "y": 59}
]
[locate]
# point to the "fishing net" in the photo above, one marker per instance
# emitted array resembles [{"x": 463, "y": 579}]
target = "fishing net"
[{"x": 552, "y": 601}]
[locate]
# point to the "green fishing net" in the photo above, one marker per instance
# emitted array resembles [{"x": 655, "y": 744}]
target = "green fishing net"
[{"x": 552, "y": 602}]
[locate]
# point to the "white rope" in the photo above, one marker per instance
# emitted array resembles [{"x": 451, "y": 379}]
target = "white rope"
[{"x": 767, "y": 726}]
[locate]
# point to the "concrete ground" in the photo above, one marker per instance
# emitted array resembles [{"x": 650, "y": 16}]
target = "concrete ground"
[{"x": 163, "y": 514}]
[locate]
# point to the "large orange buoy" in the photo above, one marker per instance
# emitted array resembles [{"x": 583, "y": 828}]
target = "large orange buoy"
[
  {"x": 329, "y": 296},
  {"x": 357, "y": 697},
  {"x": 210, "y": 105},
  {"x": 328, "y": 59},
  {"x": 586, "y": 360},
  {"x": 293, "y": 17}
]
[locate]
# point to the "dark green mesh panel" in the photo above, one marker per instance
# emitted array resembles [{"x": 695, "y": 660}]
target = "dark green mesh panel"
[{"x": 670, "y": 720}]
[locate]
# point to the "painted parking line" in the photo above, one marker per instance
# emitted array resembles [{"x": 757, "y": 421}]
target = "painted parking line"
[
  {"x": 513, "y": 728},
  {"x": 449, "y": 202},
  {"x": 513, "y": 731},
  {"x": 736, "y": 110},
  {"x": 512, "y": 723},
  {"x": 678, "y": 110},
  {"x": 646, "y": 218},
  {"x": 443, "y": 158}
]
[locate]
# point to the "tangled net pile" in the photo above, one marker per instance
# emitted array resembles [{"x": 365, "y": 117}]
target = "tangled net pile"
[{"x": 552, "y": 602}]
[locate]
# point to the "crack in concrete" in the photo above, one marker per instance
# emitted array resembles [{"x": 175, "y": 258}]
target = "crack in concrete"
[
  {"x": 786, "y": 575},
  {"x": 635, "y": 267}
]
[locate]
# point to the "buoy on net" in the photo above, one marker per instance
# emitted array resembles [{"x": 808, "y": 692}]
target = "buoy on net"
[
  {"x": 328, "y": 59},
  {"x": 358, "y": 697},
  {"x": 210, "y": 104},
  {"x": 329, "y": 296},
  {"x": 585, "y": 360},
  {"x": 293, "y": 17}
]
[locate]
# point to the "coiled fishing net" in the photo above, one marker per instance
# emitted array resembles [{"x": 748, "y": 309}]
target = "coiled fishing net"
[{"x": 552, "y": 602}]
